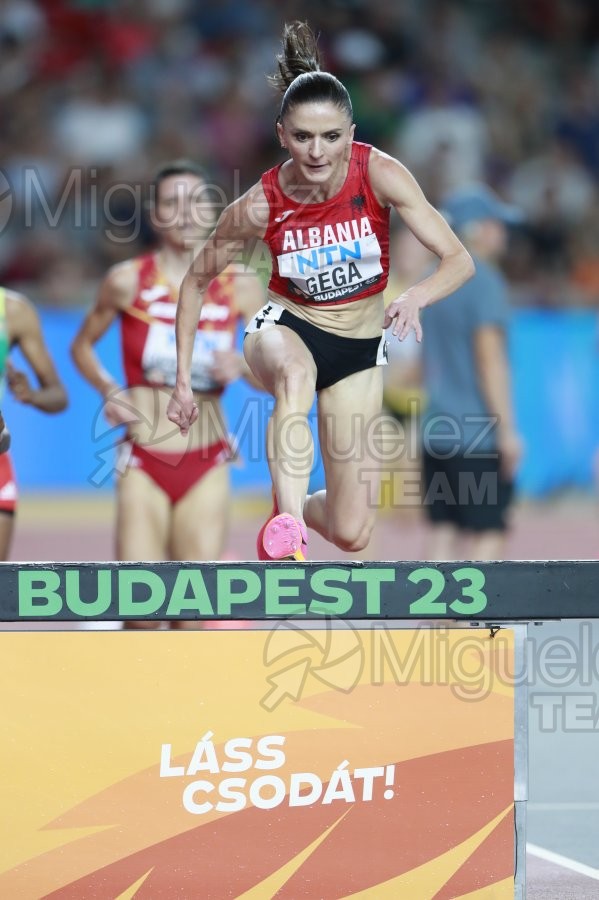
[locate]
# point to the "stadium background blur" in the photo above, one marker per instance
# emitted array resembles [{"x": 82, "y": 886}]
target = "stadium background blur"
[{"x": 93, "y": 94}]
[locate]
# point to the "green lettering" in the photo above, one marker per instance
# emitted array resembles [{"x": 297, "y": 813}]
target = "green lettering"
[
  {"x": 227, "y": 597},
  {"x": 429, "y": 604},
  {"x": 128, "y": 580},
  {"x": 83, "y": 607},
  {"x": 475, "y": 582},
  {"x": 341, "y": 599},
  {"x": 38, "y": 593},
  {"x": 275, "y": 588},
  {"x": 199, "y": 600},
  {"x": 373, "y": 579}
]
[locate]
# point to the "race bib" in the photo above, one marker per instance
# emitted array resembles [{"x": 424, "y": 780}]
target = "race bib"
[{"x": 333, "y": 271}]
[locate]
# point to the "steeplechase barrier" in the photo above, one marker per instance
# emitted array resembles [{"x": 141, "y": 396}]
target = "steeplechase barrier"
[{"x": 336, "y": 730}]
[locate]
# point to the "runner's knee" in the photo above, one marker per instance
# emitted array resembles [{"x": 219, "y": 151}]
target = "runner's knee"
[{"x": 352, "y": 536}]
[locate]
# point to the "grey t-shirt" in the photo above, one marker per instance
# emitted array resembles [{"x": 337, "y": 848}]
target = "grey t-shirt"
[{"x": 456, "y": 417}]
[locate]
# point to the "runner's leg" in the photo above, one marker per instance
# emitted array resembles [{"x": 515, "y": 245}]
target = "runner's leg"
[
  {"x": 143, "y": 524},
  {"x": 349, "y": 414},
  {"x": 286, "y": 368}
]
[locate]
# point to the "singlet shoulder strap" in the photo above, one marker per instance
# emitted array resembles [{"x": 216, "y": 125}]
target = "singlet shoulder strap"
[
  {"x": 270, "y": 184},
  {"x": 147, "y": 270},
  {"x": 361, "y": 157}
]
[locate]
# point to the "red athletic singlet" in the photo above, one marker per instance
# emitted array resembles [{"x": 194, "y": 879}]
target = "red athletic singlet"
[
  {"x": 332, "y": 252},
  {"x": 148, "y": 331}
]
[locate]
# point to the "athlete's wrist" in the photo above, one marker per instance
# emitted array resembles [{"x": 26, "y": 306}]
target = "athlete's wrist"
[{"x": 183, "y": 383}]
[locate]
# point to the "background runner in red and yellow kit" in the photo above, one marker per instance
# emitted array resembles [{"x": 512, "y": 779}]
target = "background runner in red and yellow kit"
[{"x": 172, "y": 490}]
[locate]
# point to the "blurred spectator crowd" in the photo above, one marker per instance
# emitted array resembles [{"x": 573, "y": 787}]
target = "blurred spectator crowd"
[{"x": 95, "y": 93}]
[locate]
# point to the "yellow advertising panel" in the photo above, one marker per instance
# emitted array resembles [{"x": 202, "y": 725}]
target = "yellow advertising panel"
[{"x": 289, "y": 763}]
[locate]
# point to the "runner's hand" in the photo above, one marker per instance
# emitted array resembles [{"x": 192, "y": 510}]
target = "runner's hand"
[
  {"x": 404, "y": 314},
  {"x": 18, "y": 384},
  {"x": 182, "y": 409}
]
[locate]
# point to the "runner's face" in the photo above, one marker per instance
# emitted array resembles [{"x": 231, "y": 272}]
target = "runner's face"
[
  {"x": 183, "y": 213},
  {"x": 317, "y": 136}
]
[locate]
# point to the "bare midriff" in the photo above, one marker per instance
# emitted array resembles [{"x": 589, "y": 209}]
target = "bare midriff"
[
  {"x": 358, "y": 319},
  {"x": 154, "y": 429}
]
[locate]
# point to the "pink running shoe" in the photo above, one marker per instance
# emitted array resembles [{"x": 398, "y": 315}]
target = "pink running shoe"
[
  {"x": 285, "y": 538},
  {"x": 304, "y": 534},
  {"x": 262, "y": 554}
]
